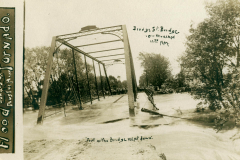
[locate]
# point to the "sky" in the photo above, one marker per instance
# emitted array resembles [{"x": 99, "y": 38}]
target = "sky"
[{"x": 45, "y": 19}]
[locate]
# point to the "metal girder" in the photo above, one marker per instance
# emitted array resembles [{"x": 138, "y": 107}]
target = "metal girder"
[
  {"x": 89, "y": 32},
  {"x": 95, "y": 79},
  {"x": 78, "y": 50},
  {"x": 133, "y": 74},
  {"x": 78, "y": 91},
  {"x": 119, "y": 31},
  {"x": 105, "y": 50},
  {"x": 46, "y": 83},
  {"x": 101, "y": 80},
  {"x": 109, "y": 87},
  {"x": 128, "y": 72},
  {"x": 99, "y": 43},
  {"x": 110, "y": 55},
  {"x": 113, "y": 34},
  {"x": 89, "y": 89},
  {"x": 112, "y": 59}
]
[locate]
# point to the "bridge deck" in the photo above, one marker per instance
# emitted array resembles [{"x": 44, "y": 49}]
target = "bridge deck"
[{"x": 110, "y": 109}]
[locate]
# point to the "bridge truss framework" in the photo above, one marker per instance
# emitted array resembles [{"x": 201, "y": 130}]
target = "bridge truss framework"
[{"x": 119, "y": 32}]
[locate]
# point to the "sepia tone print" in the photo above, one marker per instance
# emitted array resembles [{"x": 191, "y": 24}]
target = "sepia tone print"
[{"x": 134, "y": 79}]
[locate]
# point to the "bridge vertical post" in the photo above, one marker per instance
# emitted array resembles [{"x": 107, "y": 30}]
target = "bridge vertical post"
[
  {"x": 71, "y": 85},
  {"x": 109, "y": 87},
  {"x": 101, "y": 80},
  {"x": 89, "y": 89},
  {"x": 129, "y": 71},
  {"x": 134, "y": 81},
  {"x": 46, "y": 83},
  {"x": 95, "y": 79},
  {"x": 75, "y": 69}
]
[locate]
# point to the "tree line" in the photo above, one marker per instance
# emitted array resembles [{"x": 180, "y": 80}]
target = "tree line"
[
  {"x": 212, "y": 56},
  {"x": 157, "y": 73},
  {"x": 63, "y": 83},
  {"x": 210, "y": 65}
]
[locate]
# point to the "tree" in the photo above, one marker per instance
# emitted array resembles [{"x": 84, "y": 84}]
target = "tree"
[
  {"x": 124, "y": 84},
  {"x": 58, "y": 90},
  {"x": 156, "y": 68},
  {"x": 34, "y": 67},
  {"x": 226, "y": 13},
  {"x": 143, "y": 82},
  {"x": 206, "y": 57},
  {"x": 211, "y": 49},
  {"x": 62, "y": 73},
  {"x": 180, "y": 80},
  {"x": 113, "y": 82}
]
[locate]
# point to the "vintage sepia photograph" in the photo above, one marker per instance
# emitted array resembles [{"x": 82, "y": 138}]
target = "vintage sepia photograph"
[{"x": 125, "y": 80}]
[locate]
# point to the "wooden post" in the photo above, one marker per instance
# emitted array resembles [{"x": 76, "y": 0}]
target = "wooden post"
[
  {"x": 128, "y": 71},
  {"x": 46, "y": 83}
]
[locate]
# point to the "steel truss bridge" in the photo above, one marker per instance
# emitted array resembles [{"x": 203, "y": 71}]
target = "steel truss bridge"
[{"x": 116, "y": 39}]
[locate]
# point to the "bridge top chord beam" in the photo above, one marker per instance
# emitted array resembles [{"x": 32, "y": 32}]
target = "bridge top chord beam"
[
  {"x": 105, "y": 50},
  {"x": 112, "y": 59},
  {"x": 89, "y": 32},
  {"x": 114, "y": 30},
  {"x": 110, "y": 55},
  {"x": 99, "y": 43}
]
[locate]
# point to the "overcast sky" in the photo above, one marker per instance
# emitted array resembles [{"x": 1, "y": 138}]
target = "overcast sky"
[{"x": 45, "y": 19}]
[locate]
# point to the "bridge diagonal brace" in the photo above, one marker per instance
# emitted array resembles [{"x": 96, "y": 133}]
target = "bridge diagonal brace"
[{"x": 78, "y": 50}]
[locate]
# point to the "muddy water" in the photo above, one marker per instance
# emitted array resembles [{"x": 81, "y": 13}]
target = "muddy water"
[{"x": 64, "y": 138}]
